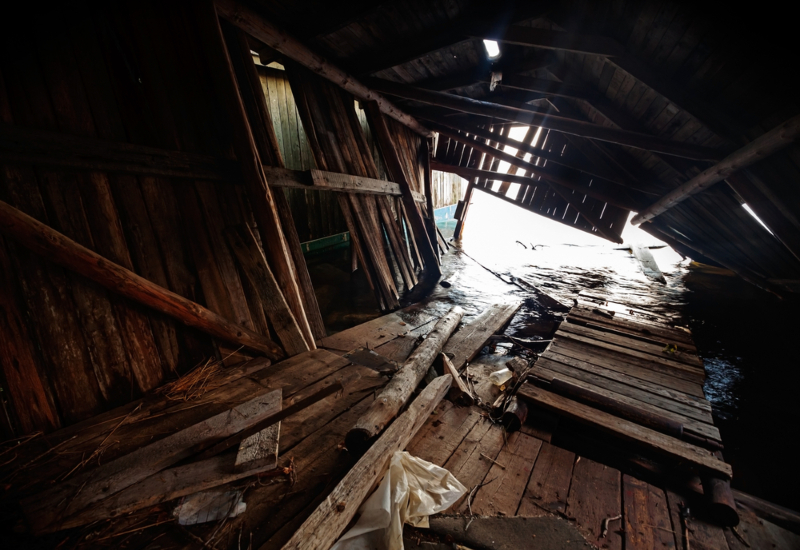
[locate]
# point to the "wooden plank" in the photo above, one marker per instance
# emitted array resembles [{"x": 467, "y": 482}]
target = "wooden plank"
[
  {"x": 548, "y": 487},
  {"x": 617, "y": 363},
  {"x": 702, "y": 535},
  {"x": 631, "y": 388},
  {"x": 377, "y": 331},
  {"x": 625, "y": 430},
  {"x": 510, "y": 475},
  {"x": 644, "y": 360},
  {"x": 443, "y": 433},
  {"x": 690, "y": 424},
  {"x": 647, "y": 522},
  {"x": 628, "y": 332},
  {"x": 467, "y": 464},
  {"x": 328, "y": 521},
  {"x": 464, "y": 345},
  {"x": 656, "y": 350},
  {"x": 254, "y": 266},
  {"x": 664, "y": 334},
  {"x": 67, "y": 498},
  {"x": 64, "y": 251},
  {"x": 594, "y": 495}
]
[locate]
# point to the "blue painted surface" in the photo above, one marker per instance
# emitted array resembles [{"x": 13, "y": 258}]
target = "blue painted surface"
[{"x": 444, "y": 217}]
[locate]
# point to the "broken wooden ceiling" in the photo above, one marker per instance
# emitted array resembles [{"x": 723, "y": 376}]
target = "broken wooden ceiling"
[{"x": 665, "y": 90}]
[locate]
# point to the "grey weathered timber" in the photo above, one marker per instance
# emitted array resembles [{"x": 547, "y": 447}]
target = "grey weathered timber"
[
  {"x": 758, "y": 149},
  {"x": 254, "y": 266},
  {"x": 397, "y": 392},
  {"x": 329, "y": 520},
  {"x": 524, "y": 116},
  {"x": 333, "y": 181},
  {"x": 62, "y": 250},
  {"x": 67, "y": 498},
  {"x": 258, "y": 27}
]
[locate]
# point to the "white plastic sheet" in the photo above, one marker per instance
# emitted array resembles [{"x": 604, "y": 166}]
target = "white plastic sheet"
[{"x": 411, "y": 490}]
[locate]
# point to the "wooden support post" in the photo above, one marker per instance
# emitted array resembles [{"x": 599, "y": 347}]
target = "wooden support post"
[
  {"x": 264, "y": 208},
  {"x": 557, "y": 123},
  {"x": 428, "y": 188},
  {"x": 329, "y": 520},
  {"x": 261, "y": 29},
  {"x": 267, "y": 143},
  {"x": 405, "y": 381},
  {"x": 760, "y": 148},
  {"x": 254, "y": 266},
  {"x": 396, "y": 172},
  {"x": 62, "y": 250}
]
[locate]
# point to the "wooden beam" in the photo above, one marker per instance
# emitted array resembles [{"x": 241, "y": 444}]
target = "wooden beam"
[
  {"x": 534, "y": 150},
  {"x": 258, "y": 27},
  {"x": 557, "y": 123},
  {"x": 265, "y": 210},
  {"x": 557, "y": 40},
  {"x": 398, "y": 391},
  {"x": 758, "y": 149},
  {"x": 557, "y": 181},
  {"x": 62, "y": 250},
  {"x": 327, "y": 522},
  {"x": 592, "y": 191},
  {"x": 626, "y": 430},
  {"x": 394, "y": 166},
  {"x": 487, "y": 17},
  {"x": 333, "y": 181},
  {"x": 547, "y": 87}
]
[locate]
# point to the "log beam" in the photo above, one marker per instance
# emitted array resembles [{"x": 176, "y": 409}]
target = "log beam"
[
  {"x": 758, "y": 149},
  {"x": 258, "y": 27},
  {"x": 62, "y": 250},
  {"x": 552, "y": 122},
  {"x": 398, "y": 391}
]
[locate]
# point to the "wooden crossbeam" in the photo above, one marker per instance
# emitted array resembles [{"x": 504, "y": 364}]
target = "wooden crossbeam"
[
  {"x": 278, "y": 39},
  {"x": 758, "y": 149},
  {"x": 552, "y": 122},
  {"x": 557, "y": 40},
  {"x": 548, "y": 87},
  {"x": 62, "y": 250}
]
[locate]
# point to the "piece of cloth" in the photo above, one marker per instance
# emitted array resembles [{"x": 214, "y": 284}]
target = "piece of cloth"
[{"x": 411, "y": 490}]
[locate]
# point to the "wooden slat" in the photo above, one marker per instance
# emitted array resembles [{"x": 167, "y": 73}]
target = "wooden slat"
[
  {"x": 624, "y": 429},
  {"x": 646, "y": 517},
  {"x": 509, "y": 477},
  {"x": 467, "y": 464},
  {"x": 595, "y": 495},
  {"x": 607, "y": 360},
  {"x": 668, "y": 335},
  {"x": 656, "y": 350},
  {"x": 548, "y": 486},
  {"x": 645, "y": 360},
  {"x": 702, "y": 535},
  {"x": 375, "y": 332},
  {"x": 692, "y": 425},
  {"x": 67, "y": 498},
  {"x": 443, "y": 433},
  {"x": 632, "y": 389},
  {"x": 465, "y": 344},
  {"x": 621, "y": 330}
]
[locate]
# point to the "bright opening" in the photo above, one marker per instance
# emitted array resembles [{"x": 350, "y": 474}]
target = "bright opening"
[
  {"x": 492, "y": 49},
  {"x": 750, "y": 211}
]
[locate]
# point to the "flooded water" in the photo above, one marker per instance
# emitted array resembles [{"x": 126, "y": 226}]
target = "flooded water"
[{"x": 744, "y": 336}]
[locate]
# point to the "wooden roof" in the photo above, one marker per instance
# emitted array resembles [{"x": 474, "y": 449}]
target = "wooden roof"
[{"x": 661, "y": 68}]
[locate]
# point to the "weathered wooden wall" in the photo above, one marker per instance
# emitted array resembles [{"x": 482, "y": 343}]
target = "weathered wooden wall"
[
  {"x": 316, "y": 214},
  {"x": 68, "y": 348},
  {"x": 447, "y": 188}
]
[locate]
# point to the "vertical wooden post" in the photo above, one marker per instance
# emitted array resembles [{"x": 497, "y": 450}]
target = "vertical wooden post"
[
  {"x": 262, "y": 201},
  {"x": 267, "y": 143},
  {"x": 394, "y": 167}
]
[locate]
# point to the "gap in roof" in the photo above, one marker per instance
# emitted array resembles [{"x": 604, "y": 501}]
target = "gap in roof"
[{"x": 492, "y": 49}]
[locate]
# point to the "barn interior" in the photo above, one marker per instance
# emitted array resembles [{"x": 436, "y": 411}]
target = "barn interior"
[{"x": 253, "y": 250}]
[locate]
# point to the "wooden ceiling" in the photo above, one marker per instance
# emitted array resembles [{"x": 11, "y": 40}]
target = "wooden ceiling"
[{"x": 705, "y": 77}]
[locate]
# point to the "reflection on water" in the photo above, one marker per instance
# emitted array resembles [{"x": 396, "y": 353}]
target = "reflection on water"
[{"x": 751, "y": 366}]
